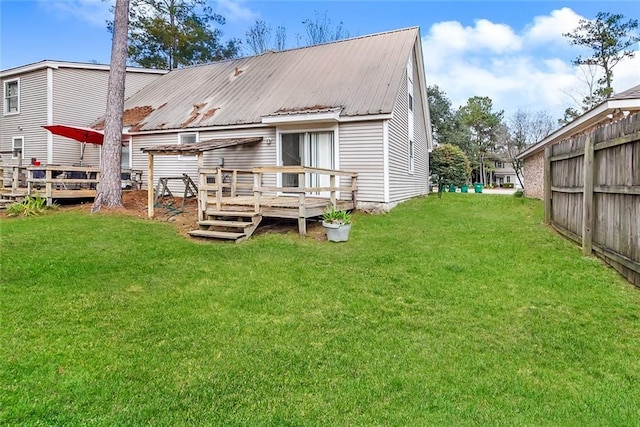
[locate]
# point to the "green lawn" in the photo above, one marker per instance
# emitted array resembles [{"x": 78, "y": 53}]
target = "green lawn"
[{"x": 460, "y": 311}]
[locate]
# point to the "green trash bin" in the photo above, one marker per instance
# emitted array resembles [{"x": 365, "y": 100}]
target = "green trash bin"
[
  {"x": 452, "y": 188},
  {"x": 464, "y": 189},
  {"x": 477, "y": 187}
]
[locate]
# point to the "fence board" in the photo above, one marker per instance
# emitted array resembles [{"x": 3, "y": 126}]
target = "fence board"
[{"x": 593, "y": 193}]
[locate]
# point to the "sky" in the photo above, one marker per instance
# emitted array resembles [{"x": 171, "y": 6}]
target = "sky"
[{"x": 511, "y": 51}]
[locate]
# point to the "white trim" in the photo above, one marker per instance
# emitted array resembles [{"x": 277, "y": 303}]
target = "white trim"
[
  {"x": 5, "y": 98},
  {"x": 188, "y": 157},
  {"x": 385, "y": 161},
  {"x": 329, "y": 116},
  {"x": 13, "y": 146},
  {"x": 77, "y": 65},
  {"x": 345, "y": 119},
  {"x": 49, "y": 114},
  {"x": 585, "y": 121}
]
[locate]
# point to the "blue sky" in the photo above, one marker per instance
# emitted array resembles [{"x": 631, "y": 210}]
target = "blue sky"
[{"x": 511, "y": 51}]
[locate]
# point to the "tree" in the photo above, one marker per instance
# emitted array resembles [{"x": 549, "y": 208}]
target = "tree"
[
  {"x": 258, "y": 37},
  {"x": 483, "y": 123},
  {"x": 449, "y": 166},
  {"x": 610, "y": 38},
  {"x": 110, "y": 189},
  {"x": 170, "y": 34},
  {"x": 320, "y": 30},
  {"x": 525, "y": 129}
]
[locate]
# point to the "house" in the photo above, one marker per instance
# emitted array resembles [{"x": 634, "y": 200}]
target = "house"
[
  {"x": 504, "y": 175},
  {"x": 356, "y": 105},
  {"x": 618, "y": 106},
  {"x": 48, "y": 92}
]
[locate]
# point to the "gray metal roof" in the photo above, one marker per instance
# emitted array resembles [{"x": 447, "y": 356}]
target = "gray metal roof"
[
  {"x": 199, "y": 147},
  {"x": 632, "y": 93},
  {"x": 358, "y": 77}
]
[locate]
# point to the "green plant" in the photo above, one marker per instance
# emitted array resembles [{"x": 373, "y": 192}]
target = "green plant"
[
  {"x": 333, "y": 216},
  {"x": 29, "y": 206},
  {"x": 507, "y": 185},
  {"x": 519, "y": 193}
]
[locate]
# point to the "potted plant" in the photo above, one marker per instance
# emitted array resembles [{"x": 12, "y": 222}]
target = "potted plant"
[{"x": 337, "y": 224}]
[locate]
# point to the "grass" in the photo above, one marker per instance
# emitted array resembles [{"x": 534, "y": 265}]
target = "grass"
[{"x": 461, "y": 311}]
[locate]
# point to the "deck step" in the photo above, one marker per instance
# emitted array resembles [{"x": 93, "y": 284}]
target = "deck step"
[
  {"x": 222, "y": 223},
  {"x": 217, "y": 234},
  {"x": 244, "y": 214}
]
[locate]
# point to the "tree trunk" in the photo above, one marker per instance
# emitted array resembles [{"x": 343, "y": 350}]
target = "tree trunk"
[{"x": 110, "y": 189}]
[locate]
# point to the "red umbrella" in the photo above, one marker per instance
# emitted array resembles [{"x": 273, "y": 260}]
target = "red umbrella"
[{"x": 81, "y": 134}]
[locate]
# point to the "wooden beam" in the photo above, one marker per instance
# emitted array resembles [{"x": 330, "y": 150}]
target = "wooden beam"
[
  {"x": 547, "y": 185},
  {"x": 202, "y": 191},
  {"x": 150, "y": 198},
  {"x": 587, "y": 197}
]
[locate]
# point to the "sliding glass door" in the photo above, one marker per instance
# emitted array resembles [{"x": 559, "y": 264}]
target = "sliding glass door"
[{"x": 312, "y": 149}]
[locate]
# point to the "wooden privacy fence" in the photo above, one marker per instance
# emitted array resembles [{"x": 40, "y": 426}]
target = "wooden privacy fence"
[{"x": 592, "y": 193}]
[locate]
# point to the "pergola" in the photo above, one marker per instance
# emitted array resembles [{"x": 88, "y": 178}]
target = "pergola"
[{"x": 196, "y": 148}]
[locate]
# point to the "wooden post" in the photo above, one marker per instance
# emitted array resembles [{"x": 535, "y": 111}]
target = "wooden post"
[
  {"x": 29, "y": 178},
  {"x": 219, "y": 190},
  {"x": 48, "y": 187},
  {"x": 302, "y": 214},
  {"x": 257, "y": 184},
  {"x": 15, "y": 179},
  {"x": 332, "y": 184},
  {"x": 547, "y": 185},
  {"x": 354, "y": 190},
  {"x": 587, "y": 197},
  {"x": 202, "y": 191},
  {"x": 234, "y": 183},
  {"x": 150, "y": 198}
]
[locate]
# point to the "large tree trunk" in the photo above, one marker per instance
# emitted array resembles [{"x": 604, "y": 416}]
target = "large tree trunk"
[{"x": 110, "y": 189}]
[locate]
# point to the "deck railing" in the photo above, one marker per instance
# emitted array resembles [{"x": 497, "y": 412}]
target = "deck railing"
[
  {"x": 60, "y": 181},
  {"x": 219, "y": 183}
]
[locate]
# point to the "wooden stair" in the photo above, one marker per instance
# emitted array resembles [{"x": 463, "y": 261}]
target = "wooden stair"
[
  {"x": 237, "y": 226},
  {"x": 10, "y": 198}
]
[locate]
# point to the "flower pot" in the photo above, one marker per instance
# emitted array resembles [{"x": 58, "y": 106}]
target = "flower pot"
[{"x": 337, "y": 232}]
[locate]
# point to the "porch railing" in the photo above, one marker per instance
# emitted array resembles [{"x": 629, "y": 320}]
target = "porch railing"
[{"x": 219, "y": 183}]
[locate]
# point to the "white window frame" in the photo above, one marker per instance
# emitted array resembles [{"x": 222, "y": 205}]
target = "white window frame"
[
  {"x": 13, "y": 146},
  {"x": 305, "y": 130},
  {"x": 180, "y": 135},
  {"x": 411, "y": 154},
  {"x": 5, "y": 97}
]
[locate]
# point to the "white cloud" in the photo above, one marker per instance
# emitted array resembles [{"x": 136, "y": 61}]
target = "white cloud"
[
  {"x": 515, "y": 69},
  {"x": 550, "y": 28},
  {"x": 235, "y": 10},
  {"x": 93, "y": 12}
]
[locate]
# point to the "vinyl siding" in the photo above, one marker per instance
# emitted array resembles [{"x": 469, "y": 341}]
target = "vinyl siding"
[
  {"x": 403, "y": 184},
  {"x": 238, "y": 157},
  {"x": 79, "y": 97},
  {"x": 33, "y": 113},
  {"x": 361, "y": 151}
]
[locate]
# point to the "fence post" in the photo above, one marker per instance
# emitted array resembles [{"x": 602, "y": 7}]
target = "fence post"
[
  {"x": 548, "y": 181},
  {"x": 587, "y": 197}
]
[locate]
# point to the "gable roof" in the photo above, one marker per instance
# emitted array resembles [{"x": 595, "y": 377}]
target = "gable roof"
[
  {"x": 628, "y": 100},
  {"x": 75, "y": 65},
  {"x": 356, "y": 77}
]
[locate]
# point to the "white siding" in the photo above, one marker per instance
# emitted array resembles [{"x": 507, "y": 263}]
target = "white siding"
[
  {"x": 361, "y": 151},
  {"x": 403, "y": 184},
  {"x": 33, "y": 114},
  {"x": 79, "y": 98},
  {"x": 238, "y": 157}
]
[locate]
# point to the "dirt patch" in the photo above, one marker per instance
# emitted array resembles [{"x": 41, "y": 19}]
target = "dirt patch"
[{"x": 185, "y": 218}]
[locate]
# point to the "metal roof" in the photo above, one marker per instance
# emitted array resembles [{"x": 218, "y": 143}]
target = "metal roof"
[
  {"x": 358, "y": 77},
  {"x": 199, "y": 147}
]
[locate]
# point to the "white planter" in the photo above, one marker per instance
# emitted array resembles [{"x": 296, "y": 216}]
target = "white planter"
[{"x": 337, "y": 232}]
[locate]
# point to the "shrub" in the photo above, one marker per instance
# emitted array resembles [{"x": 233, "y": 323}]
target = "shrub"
[
  {"x": 30, "y": 206},
  {"x": 507, "y": 185},
  {"x": 519, "y": 193}
]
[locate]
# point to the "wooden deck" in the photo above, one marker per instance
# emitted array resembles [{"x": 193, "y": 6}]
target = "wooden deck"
[{"x": 282, "y": 206}]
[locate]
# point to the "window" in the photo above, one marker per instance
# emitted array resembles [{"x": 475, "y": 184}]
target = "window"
[
  {"x": 187, "y": 138},
  {"x": 508, "y": 178},
  {"x": 312, "y": 149},
  {"x": 410, "y": 102},
  {"x": 499, "y": 165},
  {"x": 411, "y": 156},
  {"x": 17, "y": 147},
  {"x": 12, "y": 96}
]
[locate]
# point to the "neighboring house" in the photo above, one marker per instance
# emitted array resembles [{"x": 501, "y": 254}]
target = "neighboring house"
[
  {"x": 356, "y": 105},
  {"x": 504, "y": 173},
  {"x": 51, "y": 92},
  {"x": 619, "y": 105}
]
